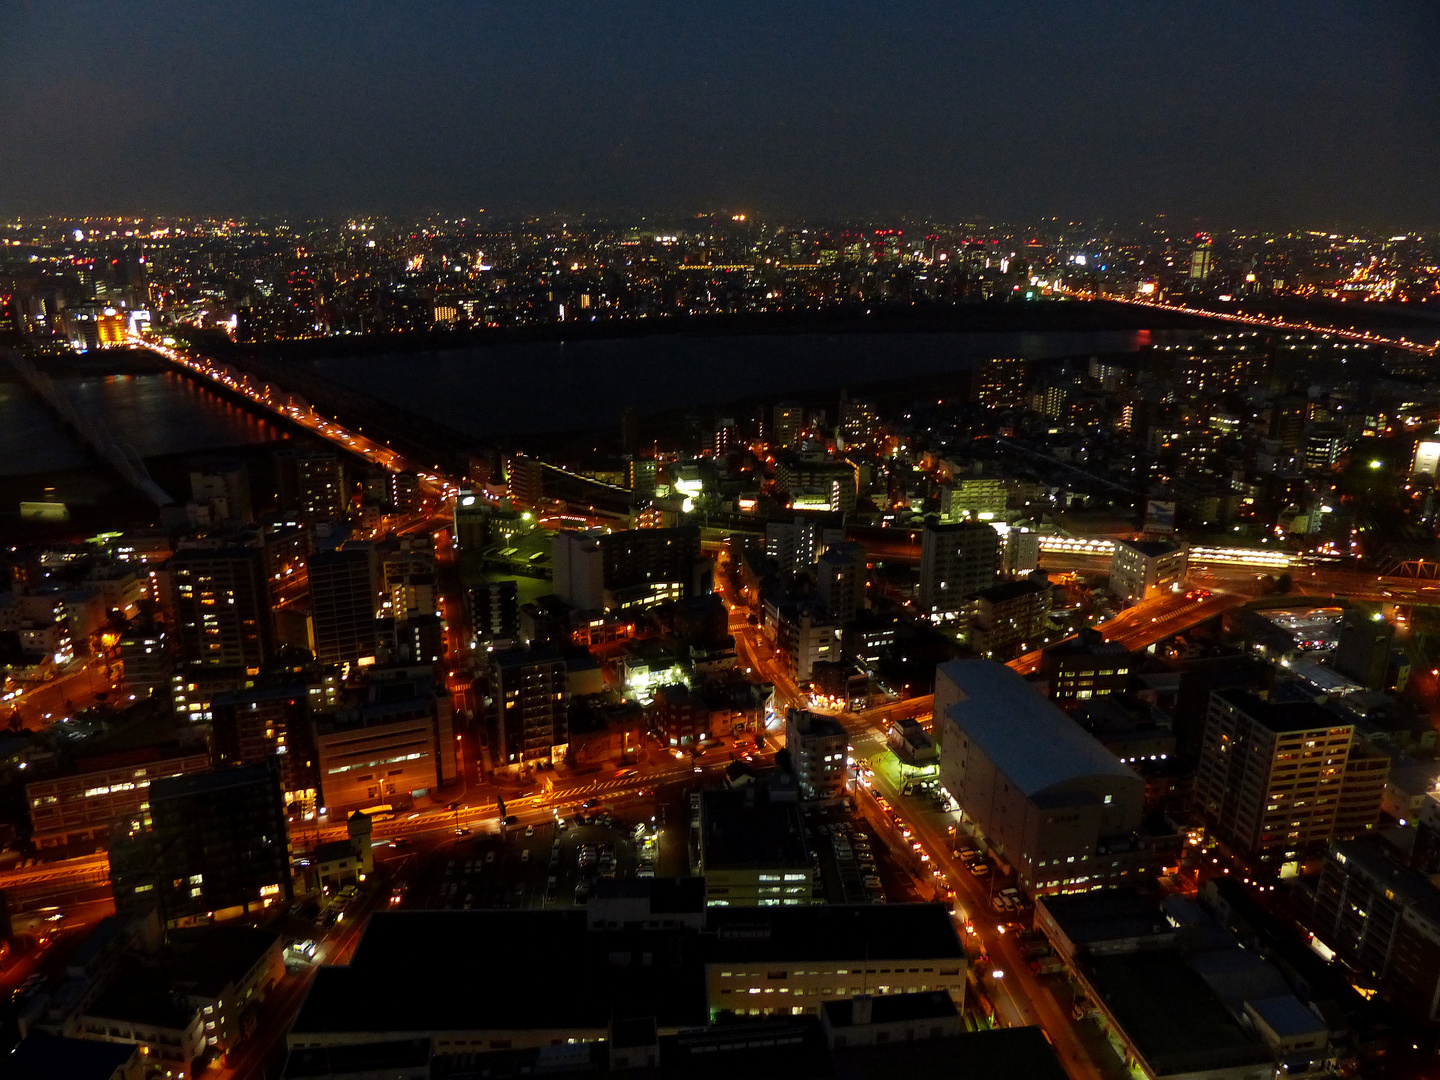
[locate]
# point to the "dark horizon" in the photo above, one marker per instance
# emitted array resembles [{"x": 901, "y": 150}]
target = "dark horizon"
[{"x": 1227, "y": 116}]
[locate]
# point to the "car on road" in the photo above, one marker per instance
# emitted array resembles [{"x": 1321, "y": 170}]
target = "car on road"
[
  {"x": 529, "y": 830},
  {"x": 525, "y": 855}
]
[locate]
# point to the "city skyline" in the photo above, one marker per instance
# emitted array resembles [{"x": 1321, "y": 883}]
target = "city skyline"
[{"x": 1076, "y": 111}]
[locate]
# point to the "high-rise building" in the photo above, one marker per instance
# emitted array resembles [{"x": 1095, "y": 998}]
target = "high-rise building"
[
  {"x": 1277, "y": 780},
  {"x": 1288, "y": 417},
  {"x": 1001, "y": 382},
  {"x": 1381, "y": 919},
  {"x": 816, "y": 744},
  {"x": 344, "y": 599},
  {"x": 1202, "y": 258},
  {"x": 494, "y": 611},
  {"x": 526, "y": 483},
  {"x": 531, "y": 705},
  {"x": 223, "y": 484},
  {"x": 216, "y": 848},
  {"x": 146, "y": 660},
  {"x": 253, "y": 726},
  {"x": 320, "y": 484},
  {"x": 859, "y": 421},
  {"x": 579, "y": 569},
  {"x": 1363, "y": 650},
  {"x": 787, "y": 420},
  {"x": 727, "y": 436},
  {"x": 643, "y": 567},
  {"x": 955, "y": 560},
  {"x": 795, "y": 545},
  {"x": 221, "y": 603},
  {"x": 840, "y": 581}
]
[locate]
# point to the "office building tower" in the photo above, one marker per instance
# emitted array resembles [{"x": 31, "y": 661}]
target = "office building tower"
[
  {"x": 1201, "y": 259},
  {"x": 955, "y": 560},
  {"x": 531, "y": 705},
  {"x": 1140, "y": 569},
  {"x": 840, "y": 581},
  {"x": 1048, "y": 797},
  {"x": 224, "y": 485},
  {"x": 344, "y": 600},
  {"x": 787, "y": 420},
  {"x": 221, "y": 604},
  {"x": 320, "y": 486},
  {"x": 817, "y": 753},
  {"x": 494, "y": 612},
  {"x": 216, "y": 848},
  {"x": 579, "y": 569},
  {"x": 1278, "y": 781}
]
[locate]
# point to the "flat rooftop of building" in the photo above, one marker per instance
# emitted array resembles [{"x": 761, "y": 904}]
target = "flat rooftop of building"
[
  {"x": 50, "y": 1057},
  {"x": 365, "y": 1059},
  {"x": 1033, "y": 742},
  {"x": 1021, "y": 1052},
  {"x": 556, "y": 974},
  {"x": 1151, "y": 548},
  {"x": 741, "y": 828},
  {"x": 1281, "y": 717},
  {"x": 1009, "y": 590},
  {"x": 1288, "y": 1016},
  {"x": 170, "y": 787},
  {"x": 667, "y": 895},
  {"x": 877, "y": 932},
  {"x": 1092, "y": 918},
  {"x": 1169, "y": 1013},
  {"x": 206, "y": 959},
  {"x": 892, "y": 1008}
]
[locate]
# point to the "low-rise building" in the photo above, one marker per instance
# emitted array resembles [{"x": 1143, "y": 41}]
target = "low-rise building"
[
  {"x": 1042, "y": 792},
  {"x": 1144, "y": 568},
  {"x": 85, "y": 805},
  {"x": 1010, "y": 617},
  {"x": 1086, "y": 666},
  {"x": 753, "y": 851}
]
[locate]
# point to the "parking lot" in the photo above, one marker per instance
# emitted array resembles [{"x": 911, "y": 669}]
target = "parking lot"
[{"x": 551, "y": 864}]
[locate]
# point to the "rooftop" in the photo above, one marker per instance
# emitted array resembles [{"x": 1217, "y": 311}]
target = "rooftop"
[
  {"x": 1150, "y": 548},
  {"x": 892, "y": 1008},
  {"x": 1030, "y": 740},
  {"x": 557, "y": 975},
  {"x": 741, "y": 828},
  {"x": 45, "y": 1057},
  {"x": 876, "y": 932},
  {"x": 1169, "y": 1013},
  {"x": 1106, "y": 915},
  {"x": 1281, "y": 717}
]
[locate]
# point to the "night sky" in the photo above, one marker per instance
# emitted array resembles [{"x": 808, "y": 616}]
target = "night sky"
[{"x": 1257, "y": 113}]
